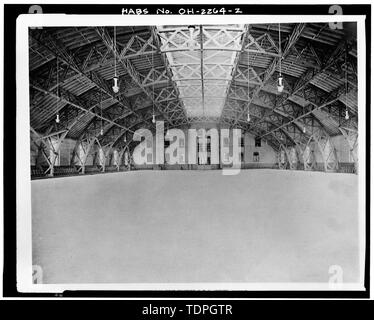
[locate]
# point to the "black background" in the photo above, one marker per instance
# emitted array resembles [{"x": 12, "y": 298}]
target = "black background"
[{"x": 11, "y": 12}]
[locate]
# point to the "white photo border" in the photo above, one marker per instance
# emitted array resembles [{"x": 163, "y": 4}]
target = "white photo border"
[{"x": 24, "y": 234}]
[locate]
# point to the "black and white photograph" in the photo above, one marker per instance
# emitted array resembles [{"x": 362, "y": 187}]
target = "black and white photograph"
[{"x": 186, "y": 148}]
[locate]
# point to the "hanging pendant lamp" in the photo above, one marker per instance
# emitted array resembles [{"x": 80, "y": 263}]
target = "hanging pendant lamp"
[
  {"x": 280, "y": 85},
  {"x": 115, "y": 78},
  {"x": 346, "y": 87},
  {"x": 248, "y": 117},
  {"x": 101, "y": 115},
  {"x": 153, "y": 92},
  {"x": 304, "y": 129},
  {"x": 57, "y": 91}
]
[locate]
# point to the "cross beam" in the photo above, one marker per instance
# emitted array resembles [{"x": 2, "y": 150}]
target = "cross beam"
[
  {"x": 129, "y": 67},
  {"x": 295, "y": 35},
  {"x": 68, "y": 100},
  {"x": 58, "y": 50},
  {"x": 332, "y": 97}
]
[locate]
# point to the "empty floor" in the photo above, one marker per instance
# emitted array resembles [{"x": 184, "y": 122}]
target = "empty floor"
[{"x": 196, "y": 226}]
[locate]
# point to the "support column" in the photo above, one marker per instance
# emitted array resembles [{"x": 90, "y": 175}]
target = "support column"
[
  {"x": 351, "y": 136},
  {"x": 81, "y": 152},
  {"x": 309, "y": 158},
  {"x": 293, "y": 158},
  {"x": 282, "y": 158},
  {"x": 328, "y": 151},
  {"x": 49, "y": 146}
]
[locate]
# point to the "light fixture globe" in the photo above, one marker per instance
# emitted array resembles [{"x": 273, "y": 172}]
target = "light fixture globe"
[
  {"x": 280, "y": 85},
  {"x": 153, "y": 118},
  {"x": 57, "y": 118},
  {"x": 346, "y": 114},
  {"x": 115, "y": 85},
  {"x": 248, "y": 117}
]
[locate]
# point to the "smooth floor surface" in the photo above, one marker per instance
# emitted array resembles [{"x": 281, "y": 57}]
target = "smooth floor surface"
[{"x": 196, "y": 226}]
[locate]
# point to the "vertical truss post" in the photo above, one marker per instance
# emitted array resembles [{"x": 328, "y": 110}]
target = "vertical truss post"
[
  {"x": 106, "y": 151},
  {"x": 328, "y": 151},
  {"x": 351, "y": 136},
  {"x": 308, "y": 156},
  {"x": 287, "y": 157},
  {"x": 120, "y": 158},
  {"x": 293, "y": 159},
  {"x": 116, "y": 159},
  {"x": 111, "y": 157},
  {"x": 100, "y": 155},
  {"x": 282, "y": 158},
  {"x": 120, "y": 155},
  {"x": 49, "y": 146},
  {"x": 102, "y": 158},
  {"x": 84, "y": 145}
]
